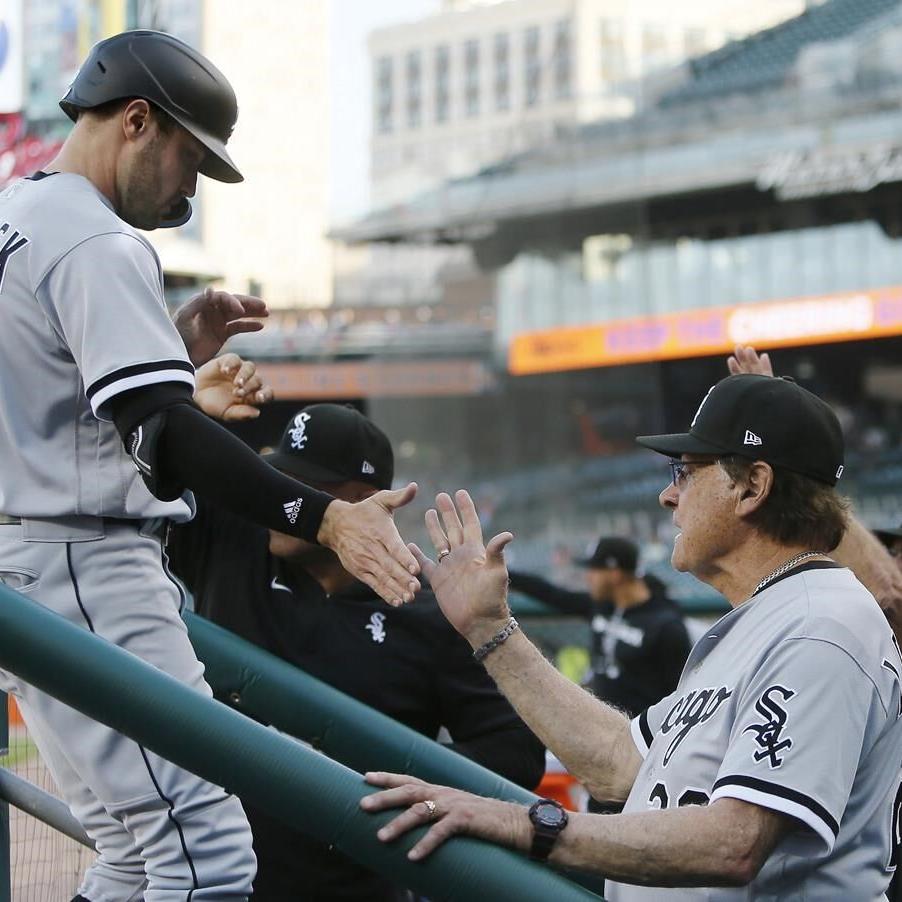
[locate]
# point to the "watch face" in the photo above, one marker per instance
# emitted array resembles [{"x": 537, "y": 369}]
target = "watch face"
[{"x": 549, "y": 815}]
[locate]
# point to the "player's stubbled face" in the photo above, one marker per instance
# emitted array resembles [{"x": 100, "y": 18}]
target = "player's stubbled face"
[
  {"x": 162, "y": 172},
  {"x": 702, "y": 502}
]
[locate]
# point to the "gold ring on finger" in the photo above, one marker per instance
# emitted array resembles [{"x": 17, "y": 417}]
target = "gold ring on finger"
[
  {"x": 443, "y": 554},
  {"x": 430, "y": 805}
]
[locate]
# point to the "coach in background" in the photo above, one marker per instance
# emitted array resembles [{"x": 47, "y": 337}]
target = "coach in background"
[
  {"x": 774, "y": 766},
  {"x": 296, "y": 600},
  {"x": 639, "y": 639}
]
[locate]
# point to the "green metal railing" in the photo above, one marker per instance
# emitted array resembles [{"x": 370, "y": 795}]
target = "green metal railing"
[
  {"x": 274, "y": 692},
  {"x": 302, "y": 788}
]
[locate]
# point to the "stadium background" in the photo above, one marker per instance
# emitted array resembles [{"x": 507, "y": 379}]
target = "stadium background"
[{"x": 573, "y": 209}]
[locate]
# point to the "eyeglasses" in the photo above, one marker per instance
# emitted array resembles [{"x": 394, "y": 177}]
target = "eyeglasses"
[{"x": 680, "y": 472}]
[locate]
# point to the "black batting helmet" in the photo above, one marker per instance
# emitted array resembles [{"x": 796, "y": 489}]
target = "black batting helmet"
[{"x": 170, "y": 74}]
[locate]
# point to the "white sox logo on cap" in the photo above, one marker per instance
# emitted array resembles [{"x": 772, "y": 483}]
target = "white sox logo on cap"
[{"x": 299, "y": 431}]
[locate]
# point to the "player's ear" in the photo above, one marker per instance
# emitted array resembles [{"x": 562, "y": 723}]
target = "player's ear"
[
  {"x": 755, "y": 488},
  {"x": 136, "y": 118}
]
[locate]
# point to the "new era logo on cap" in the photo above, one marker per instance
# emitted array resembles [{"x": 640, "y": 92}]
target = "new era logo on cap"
[
  {"x": 751, "y": 438},
  {"x": 367, "y": 468}
]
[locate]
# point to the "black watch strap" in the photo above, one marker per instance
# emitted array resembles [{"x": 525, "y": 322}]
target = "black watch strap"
[
  {"x": 542, "y": 843},
  {"x": 548, "y": 818}
]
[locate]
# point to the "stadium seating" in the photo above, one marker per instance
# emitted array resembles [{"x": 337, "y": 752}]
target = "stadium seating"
[{"x": 765, "y": 59}]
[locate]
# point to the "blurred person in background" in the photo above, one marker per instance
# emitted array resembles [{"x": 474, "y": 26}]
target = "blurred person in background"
[
  {"x": 639, "y": 639},
  {"x": 296, "y": 600}
]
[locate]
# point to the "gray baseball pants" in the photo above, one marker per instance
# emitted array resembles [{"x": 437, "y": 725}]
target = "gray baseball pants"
[{"x": 161, "y": 833}]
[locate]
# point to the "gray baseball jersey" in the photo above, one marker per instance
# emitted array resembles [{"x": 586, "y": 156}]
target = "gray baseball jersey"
[
  {"x": 81, "y": 295},
  {"x": 791, "y": 701}
]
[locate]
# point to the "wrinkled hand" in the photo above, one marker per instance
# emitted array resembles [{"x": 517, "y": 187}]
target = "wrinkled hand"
[
  {"x": 470, "y": 583},
  {"x": 745, "y": 359},
  {"x": 455, "y": 812},
  {"x": 210, "y": 319},
  {"x": 366, "y": 540},
  {"x": 230, "y": 389}
]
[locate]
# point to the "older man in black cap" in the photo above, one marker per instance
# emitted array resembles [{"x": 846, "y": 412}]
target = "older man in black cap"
[
  {"x": 774, "y": 764},
  {"x": 296, "y": 599}
]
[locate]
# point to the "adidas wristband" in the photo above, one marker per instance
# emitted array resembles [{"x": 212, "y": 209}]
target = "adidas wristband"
[{"x": 205, "y": 457}]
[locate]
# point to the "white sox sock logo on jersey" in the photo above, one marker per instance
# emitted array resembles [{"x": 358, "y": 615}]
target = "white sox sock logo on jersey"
[
  {"x": 292, "y": 509},
  {"x": 376, "y": 628},
  {"x": 691, "y": 710},
  {"x": 767, "y": 733},
  {"x": 299, "y": 432},
  {"x": 14, "y": 242}
]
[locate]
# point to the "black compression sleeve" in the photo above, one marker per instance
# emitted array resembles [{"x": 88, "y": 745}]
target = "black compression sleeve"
[
  {"x": 131, "y": 408},
  {"x": 206, "y": 458}
]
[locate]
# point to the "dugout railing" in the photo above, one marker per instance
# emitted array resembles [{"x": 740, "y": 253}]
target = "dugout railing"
[{"x": 296, "y": 784}]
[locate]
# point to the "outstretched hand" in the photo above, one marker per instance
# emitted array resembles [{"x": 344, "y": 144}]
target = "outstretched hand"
[
  {"x": 230, "y": 389},
  {"x": 470, "y": 578},
  {"x": 210, "y": 319},
  {"x": 366, "y": 540},
  {"x": 745, "y": 359}
]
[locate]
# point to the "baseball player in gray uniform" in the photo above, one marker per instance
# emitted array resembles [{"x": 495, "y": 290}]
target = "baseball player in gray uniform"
[
  {"x": 772, "y": 772},
  {"x": 101, "y": 445}
]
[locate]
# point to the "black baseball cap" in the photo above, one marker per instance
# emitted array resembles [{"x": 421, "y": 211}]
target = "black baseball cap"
[
  {"x": 613, "y": 553},
  {"x": 334, "y": 443},
  {"x": 762, "y": 418}
]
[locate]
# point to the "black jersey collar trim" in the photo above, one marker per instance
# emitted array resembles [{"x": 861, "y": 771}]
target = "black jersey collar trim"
[
  {"x": 802, "y": 568},
  {"x": 40, "y": 174}
]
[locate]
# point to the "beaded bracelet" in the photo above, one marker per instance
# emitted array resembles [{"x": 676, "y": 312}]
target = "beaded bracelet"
[{"x": 501, "y": 636}]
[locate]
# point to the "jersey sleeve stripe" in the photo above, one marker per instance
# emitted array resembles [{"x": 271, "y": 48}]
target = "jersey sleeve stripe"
[
  {"x": 98, "y": 399},
  {"x": 779, "y": 798},
  {"x": 641, "y": 733},
  {"x": 137, "y": 369}
]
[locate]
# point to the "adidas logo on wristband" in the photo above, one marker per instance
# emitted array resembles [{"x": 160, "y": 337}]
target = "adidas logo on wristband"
[{"x": 292, "y": 510}]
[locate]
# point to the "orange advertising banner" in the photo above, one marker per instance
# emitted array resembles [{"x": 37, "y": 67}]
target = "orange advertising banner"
[
  {"x": 830, "y": 318},
  {"x": 377, "y": 379}
]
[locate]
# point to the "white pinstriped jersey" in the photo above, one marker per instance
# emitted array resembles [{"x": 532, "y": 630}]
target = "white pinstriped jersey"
[
  {"x": 791, "y": 701},
  {"x": 82, "y": 318}
]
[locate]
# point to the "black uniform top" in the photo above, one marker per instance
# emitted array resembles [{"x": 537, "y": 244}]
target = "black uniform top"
[
  {"x": 406, "y": 662},
  {"x": 637, "y": 653}
]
